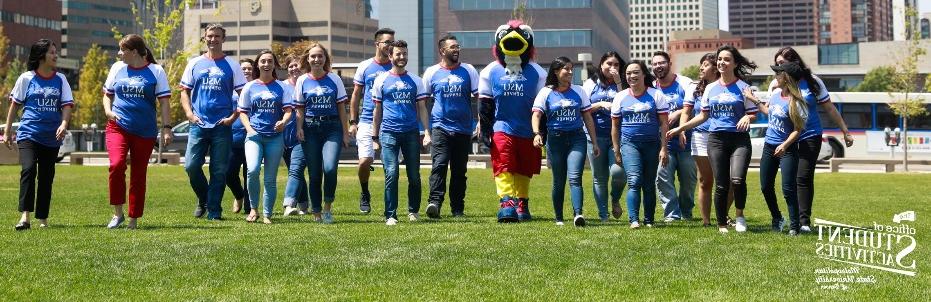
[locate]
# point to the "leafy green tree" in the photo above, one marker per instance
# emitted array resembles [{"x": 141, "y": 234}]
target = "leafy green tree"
[
  {"x": 908, "y": 104},
  {"x": 878, "y": 79},
  {"x": 691, "y": 71},
  {"x": 88, "y": 99}
]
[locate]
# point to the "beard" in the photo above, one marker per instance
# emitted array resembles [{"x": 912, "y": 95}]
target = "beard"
[
  {"x": 452, "y": 58},
  {"x": 660, "y": 73},
  {"x": 399, "y": 64}
]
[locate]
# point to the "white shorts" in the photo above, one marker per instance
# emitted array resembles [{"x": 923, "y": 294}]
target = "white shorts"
[
  {"x": 364, "y": 141},
  {"x": 700, "y": 143}
]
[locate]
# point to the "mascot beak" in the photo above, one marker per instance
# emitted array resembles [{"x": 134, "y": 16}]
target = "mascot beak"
[{"x": 513, "y": 44}]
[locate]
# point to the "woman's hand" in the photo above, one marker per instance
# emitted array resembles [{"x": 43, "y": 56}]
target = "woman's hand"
[
  {"x": 279, "y": 126},
  {"x": 345, "y": 139},
  {"x": 299, "y": 134},
  {"x": 538, "y": 140},
  {"x": 673, "y": 132},
  {"x": 744, "y": 123},
  {"x": 663, "y": 157},
  {"x": 617, "y": 157},
  {"x": 780, "y": 150},
  {"x": 112, "y": 115},
  {"x": 595, "y": 150},
  {"x": 848, "y": 139},
  {"x": 167, "y": 136}
]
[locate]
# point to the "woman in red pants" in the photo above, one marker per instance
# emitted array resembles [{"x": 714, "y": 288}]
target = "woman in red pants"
[{"x": 133, "y": 87}]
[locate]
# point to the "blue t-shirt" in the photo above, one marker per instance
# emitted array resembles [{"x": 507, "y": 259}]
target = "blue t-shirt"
[
  {"x": 690, "y": 100},
  {"x": 264, "y": 103},
  {"x": 365, "y": 76},
  {"x": 639, "y": 114},
  {"x": 212, "y": 83},
  {"x": 675, "y": 95},
  {"x": 135, "y": 92},
  {"x": 42, "y": 100},
  {"x": 813, "y": 124},
  {"x": 600, "y": 93},
  {"x": 398, "y": 95},
  {"x": 319, "y": 97},
  {"x": 563, "y": 109},
  {"x": 513, "y": 95},
  {"x": 290, "y": 129},
  {"x": 780, "y": 124},
  {"x": 726, "y": 105},
  {"x": 239, "y": 130},
  {"x": 452, "y": 91}
]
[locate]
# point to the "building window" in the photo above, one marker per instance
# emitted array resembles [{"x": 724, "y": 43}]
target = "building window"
[
  {"x": 542, "y": 38},
  {"x": 839, "y": 54},
  {"x": 455, "y": 5}
]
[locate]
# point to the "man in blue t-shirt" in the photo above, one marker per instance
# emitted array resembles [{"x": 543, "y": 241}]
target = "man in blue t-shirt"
[
  {"x": 677, "y": 204},
  {"x": 360, "y": 124},
  {"x": 398, "y": 98},
  {"x": 453, "y": 86},
  {"x": 207, "y": 87}
]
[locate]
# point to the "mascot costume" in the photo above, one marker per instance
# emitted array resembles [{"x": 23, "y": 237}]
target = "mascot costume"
[{"x": 507, "y": 88}]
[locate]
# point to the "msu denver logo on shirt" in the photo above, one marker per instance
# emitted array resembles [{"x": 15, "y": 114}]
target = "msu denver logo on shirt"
[
  {"x": 46, "y": 97},
  {"x": 725, "y": 105},
  {"x": 778, "y": 115},
  {"x": 640, "y": 113},
  {"x": 133, "y": 87},
  {"x": 318, "y": 97},
  {"x": 453, "y": 87},
  {"x": 673, "y": 99},
  {"x": 265, "y": 101},
  {"x": 565, "y": 111},
  {"x": 400, "y": 93},
  {"x": 213, "y": 77},
  {"x": 512, "y": 84}
]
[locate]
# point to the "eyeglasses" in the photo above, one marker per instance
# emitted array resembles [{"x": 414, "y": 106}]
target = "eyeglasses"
[
  {"x": 453, "y": 47},
  {"x": 387, "y": 42}
]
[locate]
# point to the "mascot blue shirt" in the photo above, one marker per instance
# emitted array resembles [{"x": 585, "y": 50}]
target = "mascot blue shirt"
[{"x": 513, "y": 95}]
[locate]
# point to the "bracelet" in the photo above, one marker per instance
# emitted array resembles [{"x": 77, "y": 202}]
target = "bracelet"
[{"x": 538, "y": 133}]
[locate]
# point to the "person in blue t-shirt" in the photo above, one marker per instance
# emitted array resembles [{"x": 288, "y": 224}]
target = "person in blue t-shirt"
[
  {"x": 809, "y": 144},
  {"x": 638, "y": 116},
  {"x": 207, "y": 87},
  {"x": 46, "y": 99},
  {"x": 323, "y": 127},
  {"x": 360, "y": 123},
  {"x": 133, "y": 87},
  {"x": 677, "y": 204},
  {"x": 238, "y": 151},
  {"x": 729, "y": 115},
  {"x": 788, "y": 114},
  {"x": 265, "y": 104},
  {"x": 399, "y": 105},
  {"x": 295, "y": 191},
  {"x": 601, "y": 89},
  {"x": 453, "y": 86},
  {"x": 567, "y": 109}
]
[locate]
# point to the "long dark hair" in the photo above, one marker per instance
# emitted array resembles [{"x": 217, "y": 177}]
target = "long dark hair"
[
  {"x": 744, "y": 67},
  {"x": 135, "y": 42},
  {"x": 790, "y": 55},
  {"x": 258, "y": 71},
  {"x": 700, "y": 87},
  {"x": 597, "y": 75},
  {"x": 37, "y": 53},
  {"x": 552, "y": 80},
  {"x": 648, "y": 77}
]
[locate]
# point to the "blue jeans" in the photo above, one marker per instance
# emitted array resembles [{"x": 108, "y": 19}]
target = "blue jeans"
[
  {"x": 602, "y": 167},
  {"x": 218, "y": 141},
  {"x": 267, "y": 149},
  {"x": 640, "y": 162},
  {"x": 295, "y": 190},
  {"x": 769, "y": 165},
  {"x": 392, "y": 144},
  {"x": 677, "y": 204},
  {"x": 565, "y": 152},
  {"x": 322, "y": 145}
]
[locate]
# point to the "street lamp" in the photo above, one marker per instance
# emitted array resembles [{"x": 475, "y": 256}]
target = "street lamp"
[{"x": 584, "y": 57}]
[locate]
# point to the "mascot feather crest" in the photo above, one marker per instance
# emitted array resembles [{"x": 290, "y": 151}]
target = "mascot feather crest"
[{"x": 513, "y": 45}]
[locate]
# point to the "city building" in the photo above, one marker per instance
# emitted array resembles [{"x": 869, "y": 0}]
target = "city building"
[
  {"x": 24, "y": 22},
  {"x": 899, "y": 19},
  {"x": 925, "y": 25},
  {"x": 706, "y": 40},
  {"x": 773, "y": 23},
  {"x": 846, "y": 21},
  {"x": 560, "y": 27},
  {"x": 652, "y": 21},
  {"x": 345, "y": 27},
  {"x": 405, "y": 17},
  {"x": 88, "y": 22}
]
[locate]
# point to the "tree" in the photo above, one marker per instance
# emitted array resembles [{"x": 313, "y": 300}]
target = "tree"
[
  {"x": 877, "y": 79},
  {"x": 4, "y": 63},
  {"x": 908, "y": 104},
  {"x": 691, "y": 71},
  {"x": 764, "y": 86},
  {"x": 88, "y": 99}
]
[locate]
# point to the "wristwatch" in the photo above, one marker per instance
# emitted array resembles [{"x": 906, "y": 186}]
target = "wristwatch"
[{"x": 538, "y": 133}]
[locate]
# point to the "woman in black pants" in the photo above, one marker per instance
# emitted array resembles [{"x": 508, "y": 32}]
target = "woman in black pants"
[
  {"x": 730, "y": 116},
  {"x": 46, "y": 99},
  {"x": 809, "y": 143},
  {"x": 238, "y": 151}
]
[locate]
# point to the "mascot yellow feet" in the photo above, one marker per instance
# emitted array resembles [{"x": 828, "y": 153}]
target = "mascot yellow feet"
[{"x": 514, "y": 190}]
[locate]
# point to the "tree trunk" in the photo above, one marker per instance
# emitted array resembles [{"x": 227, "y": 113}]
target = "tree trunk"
[{"x": 905, "y": 140}]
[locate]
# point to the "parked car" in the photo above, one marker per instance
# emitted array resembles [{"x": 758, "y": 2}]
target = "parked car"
[
  {"x": 758, "y": 136},
  {"x": 67, "y": 144}
]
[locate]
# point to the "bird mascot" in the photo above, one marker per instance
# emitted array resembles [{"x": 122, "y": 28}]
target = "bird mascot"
[{"x": 507, "y": 88}]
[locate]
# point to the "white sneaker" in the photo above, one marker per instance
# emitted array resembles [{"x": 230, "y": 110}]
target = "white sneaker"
[
  {"x": 559, "y": 223},
  {"x": 413, "y": 216},
  {"x": 805, "y": 229},
  {"x": 723, "y": 230},
  {"x": 288, "y": 211},
  {"x": 302, "y": 212},
  {"x": 669, "y": 219},
  {"x": 635, "y": 225},
  {"x": 391, "y": 221},
  {"x": 741, "y": 225}
]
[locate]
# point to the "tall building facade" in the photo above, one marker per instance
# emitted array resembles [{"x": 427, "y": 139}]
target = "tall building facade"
[
  {"x": 24, "y": 22},
  {"x": 88, "y": 22},
  {"x": 405, "y": 18},
  {"x": 773, "y": 23},
  {"x": 560, "y": 27},
  {"x": 848, "y": 21},
  {"x": 344, "y": 26},
  {"x": 652, "y": 21},
  {"x": 925, "y": 25},
  {"x": 706, "y": 40}
]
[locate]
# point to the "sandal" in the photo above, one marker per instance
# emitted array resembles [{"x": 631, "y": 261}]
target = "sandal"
[{"x": 252, "y": 217}]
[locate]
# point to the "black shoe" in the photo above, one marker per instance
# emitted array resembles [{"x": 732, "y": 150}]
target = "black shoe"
[
  {"x": 365, "y": 205},
  {"x": 433, "y": 211},
  {"x": 217, "y": 218},
  {"x": 458, "y": 214},
  {"x": 22, "y": 226},
  {"x": 200, "y": 211}
]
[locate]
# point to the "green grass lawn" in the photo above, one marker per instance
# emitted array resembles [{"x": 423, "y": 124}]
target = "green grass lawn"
[{"x": 175, "y": 257}]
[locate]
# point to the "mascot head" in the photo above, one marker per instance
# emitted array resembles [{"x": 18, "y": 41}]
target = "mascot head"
[{"x": 513, "y": 45}]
